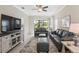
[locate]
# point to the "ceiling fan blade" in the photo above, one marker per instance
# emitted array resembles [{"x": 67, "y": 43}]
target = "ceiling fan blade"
[
  {"x": 44, "y": 10},
  {"x": 40, "y": 8},
  {"x": 45, "y": 7}
]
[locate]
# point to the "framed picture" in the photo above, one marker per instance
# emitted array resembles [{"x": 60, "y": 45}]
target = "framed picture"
[{"x": 66, "y": 21}]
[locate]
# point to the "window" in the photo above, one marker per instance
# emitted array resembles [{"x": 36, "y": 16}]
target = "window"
[
  {"x": 41, "y": 24},
  {"x": 56, "y": 24}
]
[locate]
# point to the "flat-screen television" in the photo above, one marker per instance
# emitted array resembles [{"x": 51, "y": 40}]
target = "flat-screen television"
[
  {"x": 5, "y": 24},
  {"x": 17, "y": 24},
  {"x": 9, "y": 23}
]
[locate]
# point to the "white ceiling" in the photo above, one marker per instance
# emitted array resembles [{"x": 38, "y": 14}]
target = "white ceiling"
[{"x": 51, "y": 10}]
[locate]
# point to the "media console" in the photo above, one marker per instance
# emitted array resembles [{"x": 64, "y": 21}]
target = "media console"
[
  {"x": 10, "y": 32},
  {"x": 9, "y": 41}
]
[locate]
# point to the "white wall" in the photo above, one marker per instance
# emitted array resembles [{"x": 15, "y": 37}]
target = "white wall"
[
  {"x": 31, "y": 26},
  {"x": 12, "y": 11},
  {"x": 72, "y": 10},
  {"x": 52, "y": 23}
]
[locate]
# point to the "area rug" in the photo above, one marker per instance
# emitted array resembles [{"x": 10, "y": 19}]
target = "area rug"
[{"x": 31, "y": 46}]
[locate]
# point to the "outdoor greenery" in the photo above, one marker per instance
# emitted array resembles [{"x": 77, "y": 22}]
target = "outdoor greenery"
[{"x": 41, "y": 24}]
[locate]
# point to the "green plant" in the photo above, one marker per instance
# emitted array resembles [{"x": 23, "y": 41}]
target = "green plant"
[{"x": 41, "y": 24}]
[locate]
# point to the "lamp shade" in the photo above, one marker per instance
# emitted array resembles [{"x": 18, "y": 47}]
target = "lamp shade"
[{"x": 74, "y": 27}]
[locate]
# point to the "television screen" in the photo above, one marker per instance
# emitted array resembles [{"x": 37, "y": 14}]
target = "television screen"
[
  {"x": 5, "y": 26},
  {"x": 9, "y": 23},
  {"x": 17, "y": 24}
]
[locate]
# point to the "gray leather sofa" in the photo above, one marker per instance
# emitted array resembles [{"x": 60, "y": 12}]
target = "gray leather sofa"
[
  {"x": 40, "y": 31},
  {"x": 59, "y": 35}
]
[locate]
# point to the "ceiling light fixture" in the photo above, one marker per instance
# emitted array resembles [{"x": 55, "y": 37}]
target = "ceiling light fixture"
[{"x": 40, "y": 8}]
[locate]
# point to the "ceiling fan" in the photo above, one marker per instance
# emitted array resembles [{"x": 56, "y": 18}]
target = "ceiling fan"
[{"x": 40, "y": 8}]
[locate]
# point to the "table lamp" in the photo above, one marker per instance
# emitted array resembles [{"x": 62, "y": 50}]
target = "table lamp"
[{"x": 74, "y": 27}]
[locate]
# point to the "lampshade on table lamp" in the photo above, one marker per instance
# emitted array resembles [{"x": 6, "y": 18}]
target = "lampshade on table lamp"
[{"x": 75, "y": 29}]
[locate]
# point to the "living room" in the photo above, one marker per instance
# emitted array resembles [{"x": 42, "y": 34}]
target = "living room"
[
  {"x": 66, "y": 23},
  {"x": 34, "y": 34},
  {"x": 57, "y": 20}
]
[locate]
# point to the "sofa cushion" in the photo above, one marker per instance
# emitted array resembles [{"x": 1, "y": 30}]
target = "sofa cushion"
[
  {"x": 71, "y": 34},
  {"x": 64, "y": 33},
  {"x": 60, "y": 32}
]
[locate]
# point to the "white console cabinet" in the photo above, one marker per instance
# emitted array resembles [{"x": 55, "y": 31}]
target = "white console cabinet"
[
  {"x": 9, "y": 41},
  {"x": 0, "y": 44},
  {"x": 6, "y": 43}
]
